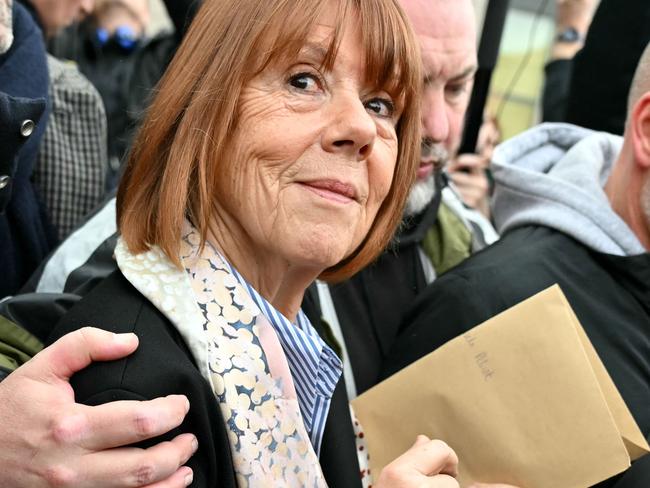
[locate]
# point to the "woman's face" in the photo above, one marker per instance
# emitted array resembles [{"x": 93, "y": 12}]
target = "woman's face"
[{"x": 314, "y": 155}]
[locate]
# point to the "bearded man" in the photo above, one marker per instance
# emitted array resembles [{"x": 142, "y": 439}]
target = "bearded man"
[{"x": 438, "y": 230}]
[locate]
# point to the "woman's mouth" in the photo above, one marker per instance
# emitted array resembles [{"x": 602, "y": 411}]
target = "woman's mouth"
[{"x": 333, "y": 190}]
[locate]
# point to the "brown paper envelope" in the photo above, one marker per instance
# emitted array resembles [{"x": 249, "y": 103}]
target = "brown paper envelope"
[
  {"x": 633, "y": 439},
  {"x": 516, "y": 397}
]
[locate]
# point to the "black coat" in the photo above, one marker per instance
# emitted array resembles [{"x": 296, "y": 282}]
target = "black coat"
[
  {"x": 162, "y": 365},
  {"x": 609, "y": 294},
  {"x": 26, "y": 234}
]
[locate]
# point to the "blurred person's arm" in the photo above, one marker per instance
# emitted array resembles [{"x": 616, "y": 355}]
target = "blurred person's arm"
[{"x": 572, "y": 21}]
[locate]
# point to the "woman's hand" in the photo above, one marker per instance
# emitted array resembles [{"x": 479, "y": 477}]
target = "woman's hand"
[{"x": 428, "y": 464}]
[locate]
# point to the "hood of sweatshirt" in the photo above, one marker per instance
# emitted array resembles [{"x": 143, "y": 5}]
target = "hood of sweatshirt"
[{"x": 553, "y": 175}]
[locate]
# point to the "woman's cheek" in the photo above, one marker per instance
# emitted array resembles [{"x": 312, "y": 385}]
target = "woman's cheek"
[{"x": 383, "y": 172}]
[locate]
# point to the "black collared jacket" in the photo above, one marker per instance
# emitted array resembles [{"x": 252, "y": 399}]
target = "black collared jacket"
[{"x": 163, "y": 365}]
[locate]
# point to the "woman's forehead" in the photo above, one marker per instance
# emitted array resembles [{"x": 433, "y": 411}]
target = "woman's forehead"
[
  {"x": 325, "y": 44},
  {"x": 372, "y": 31}
]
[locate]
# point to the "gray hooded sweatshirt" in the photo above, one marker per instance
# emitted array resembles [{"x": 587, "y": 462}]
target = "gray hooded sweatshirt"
[{"x": 553, "y": 175}]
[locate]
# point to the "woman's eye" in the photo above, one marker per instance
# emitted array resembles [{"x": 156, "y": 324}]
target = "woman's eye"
[
  {"x": 381, "y": 107},
  {"x": 305, "y": 82}
]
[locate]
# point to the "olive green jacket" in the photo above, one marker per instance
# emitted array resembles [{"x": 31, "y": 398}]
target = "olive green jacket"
[{"x": 17, "y": 346}]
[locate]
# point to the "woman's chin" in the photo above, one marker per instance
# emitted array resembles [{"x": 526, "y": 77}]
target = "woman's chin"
[{"x": 320, "y": 256}]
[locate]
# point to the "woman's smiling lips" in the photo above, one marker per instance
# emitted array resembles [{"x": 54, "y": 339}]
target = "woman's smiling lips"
[{"x": 332, "y": 190}]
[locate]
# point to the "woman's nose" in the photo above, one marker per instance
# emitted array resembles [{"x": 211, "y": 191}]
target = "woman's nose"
[{"x": 352, "y": 130}]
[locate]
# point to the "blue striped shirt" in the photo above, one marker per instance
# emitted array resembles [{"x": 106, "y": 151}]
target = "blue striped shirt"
[{"x": 314, "y": 367}]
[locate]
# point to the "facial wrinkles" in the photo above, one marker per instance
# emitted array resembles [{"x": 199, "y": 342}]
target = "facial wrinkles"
[
  {"x": 274, "y": 168},
  {"x": 448, "y": 67},
  {"x": 445, "y": 59},
  {"x": 283, "y": 141},
  {"x": 257, "y": 102},
  {"x": 264, "y": 100}
]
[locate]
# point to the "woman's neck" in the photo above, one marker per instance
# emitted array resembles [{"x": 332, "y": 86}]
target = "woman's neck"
[{"x": 278, "y": 281}]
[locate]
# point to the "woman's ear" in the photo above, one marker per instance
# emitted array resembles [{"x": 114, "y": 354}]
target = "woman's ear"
[{"x": 640, "y": 130}]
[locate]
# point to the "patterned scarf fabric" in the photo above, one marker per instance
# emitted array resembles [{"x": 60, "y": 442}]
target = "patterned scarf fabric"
[{"x": 238, "y": 351}]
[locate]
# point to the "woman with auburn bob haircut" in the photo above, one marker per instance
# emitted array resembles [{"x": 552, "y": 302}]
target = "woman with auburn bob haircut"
[{"x": 279, "y": 148}]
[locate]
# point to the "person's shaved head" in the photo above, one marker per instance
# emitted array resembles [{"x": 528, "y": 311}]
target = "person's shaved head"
[
  {"x": 641, "y": 81},
  {"x": 424, "y": 14},
  {"x": 640, "y": 87},
  {"x": 628, "y": 186}
]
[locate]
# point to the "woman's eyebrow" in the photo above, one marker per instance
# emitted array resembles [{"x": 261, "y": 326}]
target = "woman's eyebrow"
[{"x": 316, "y": 52}]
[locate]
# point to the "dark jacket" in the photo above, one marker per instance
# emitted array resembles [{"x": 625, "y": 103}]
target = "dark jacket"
[
  {"x": 609, "y": 294},
  {"x": 162, "y": 365},
  {"x": 370, "y": 305},
  {"x": 26, "y": 235},
  {"x": 557, "y": 80}
]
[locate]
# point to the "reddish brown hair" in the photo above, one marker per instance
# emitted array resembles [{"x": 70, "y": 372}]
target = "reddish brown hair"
[{"x": 170, "y": 174}]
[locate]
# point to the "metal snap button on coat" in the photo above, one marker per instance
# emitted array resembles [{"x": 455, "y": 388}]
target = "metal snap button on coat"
[
  {"x": 27, "y": 128},
  {"x": 4, "y": 181}
]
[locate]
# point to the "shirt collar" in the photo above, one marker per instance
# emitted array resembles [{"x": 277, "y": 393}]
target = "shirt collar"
[{"x": 315, "y": 367}]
